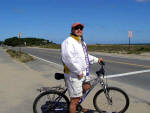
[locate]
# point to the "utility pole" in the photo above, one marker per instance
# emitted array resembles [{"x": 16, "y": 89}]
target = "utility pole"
[
  {"x": 19, "y": 35},
  {"x": 129, "y": 36}
]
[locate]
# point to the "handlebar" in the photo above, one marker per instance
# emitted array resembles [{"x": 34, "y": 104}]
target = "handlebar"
[
  {"x": 101, "y": 71},
  {"x": 102, "y": 63}
]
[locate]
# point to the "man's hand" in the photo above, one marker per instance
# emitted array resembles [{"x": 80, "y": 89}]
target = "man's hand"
[
  {"x": 80, "y": 76},
  {"x": 99, "y": 60}
]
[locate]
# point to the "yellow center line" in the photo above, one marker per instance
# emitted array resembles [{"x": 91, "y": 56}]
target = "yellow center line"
[{"x": 128, "y": 63}]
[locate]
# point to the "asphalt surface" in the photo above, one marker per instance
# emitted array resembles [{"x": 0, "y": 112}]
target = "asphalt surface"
[
  {"x": 114, "y": 65},
  {"x": 19, "y": 83}
]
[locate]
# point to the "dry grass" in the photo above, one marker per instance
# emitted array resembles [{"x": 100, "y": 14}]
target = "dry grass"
[
  {"x": 52, "y": 46},
  {"x": 124, "y": 49},
  {"x": 110, "y": 48},
  {"x": 20, "y": 56}
]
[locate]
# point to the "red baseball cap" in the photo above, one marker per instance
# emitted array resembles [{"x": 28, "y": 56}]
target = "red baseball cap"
[{"x": 76, "y": 24}]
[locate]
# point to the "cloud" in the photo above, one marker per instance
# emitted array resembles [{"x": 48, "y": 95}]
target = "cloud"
[{"x": 142, "y": 0}]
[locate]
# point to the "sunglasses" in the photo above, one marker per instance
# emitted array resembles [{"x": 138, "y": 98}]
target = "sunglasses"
[{"x": 78, "y": 27}]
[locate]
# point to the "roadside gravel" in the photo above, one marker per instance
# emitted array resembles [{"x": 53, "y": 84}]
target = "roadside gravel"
[{"x": 18, "y": 83}]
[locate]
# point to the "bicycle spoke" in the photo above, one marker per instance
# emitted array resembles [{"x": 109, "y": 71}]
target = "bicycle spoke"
[
  {"x": 115, "y": 101},
  {"x": 51, "y": 103}
]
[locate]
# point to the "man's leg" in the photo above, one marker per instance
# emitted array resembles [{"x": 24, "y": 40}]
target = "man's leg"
[
  {"x": 73, "y": 104},
  {"x": 85, "y": 87},
  {"x": 75, "y": 90}
]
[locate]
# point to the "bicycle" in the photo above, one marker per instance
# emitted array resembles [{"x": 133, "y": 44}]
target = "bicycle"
[{"x": 106, "y": 100}]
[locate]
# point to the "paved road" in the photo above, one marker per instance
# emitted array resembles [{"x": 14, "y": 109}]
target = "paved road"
[
  {"x": 115, "y": 65},
  {"x": 19, "y": 82}
]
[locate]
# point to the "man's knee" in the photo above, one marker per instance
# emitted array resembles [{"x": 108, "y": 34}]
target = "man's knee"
[
  {"x": 86, "y": 86},
  {"x": 75, "y": 100}
]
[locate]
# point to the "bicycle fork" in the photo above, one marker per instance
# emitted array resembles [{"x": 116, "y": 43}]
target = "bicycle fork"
[{"x": 106, "y": 92}]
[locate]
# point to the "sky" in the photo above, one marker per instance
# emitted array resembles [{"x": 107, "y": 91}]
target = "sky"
[{"x": 105, "y": 21}]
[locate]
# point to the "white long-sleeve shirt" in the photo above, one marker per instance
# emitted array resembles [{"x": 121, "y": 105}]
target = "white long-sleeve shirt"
[{"x": 73, "y": 56}]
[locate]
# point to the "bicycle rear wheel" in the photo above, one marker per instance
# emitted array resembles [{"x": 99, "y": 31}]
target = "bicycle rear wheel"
[
  {"x": 51, "y": 102},
  {"x": 118, "y": 98}
]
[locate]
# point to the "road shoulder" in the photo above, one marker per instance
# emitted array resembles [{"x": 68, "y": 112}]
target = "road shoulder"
[{"x": 19, "y": 83}]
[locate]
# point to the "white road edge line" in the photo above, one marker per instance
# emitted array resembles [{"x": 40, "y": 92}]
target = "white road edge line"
[
  {"x": 127, "y": 74},
  {"x": 45, "y": 60},
  {"x": 108, "y": 76}
]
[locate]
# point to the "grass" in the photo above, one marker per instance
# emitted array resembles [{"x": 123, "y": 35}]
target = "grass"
[
  {"x": 111, "y": 48},
  {"x": 123, "y": 49},
  {"x": 52, "y": 46},
  {"x": 20, "y": 56}
]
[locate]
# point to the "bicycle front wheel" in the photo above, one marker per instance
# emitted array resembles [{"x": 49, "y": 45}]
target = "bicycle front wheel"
[
  {"x": 51, "y": 102},
  {"x": 114, "y": 100}
]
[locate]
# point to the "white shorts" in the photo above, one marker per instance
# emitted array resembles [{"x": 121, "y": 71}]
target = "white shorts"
[{"x": 74, "y": 85}]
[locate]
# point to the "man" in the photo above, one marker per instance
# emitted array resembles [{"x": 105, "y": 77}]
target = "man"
[{"x": 76, "y": 65}]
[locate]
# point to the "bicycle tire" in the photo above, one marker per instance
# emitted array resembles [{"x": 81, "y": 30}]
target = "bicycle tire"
[
  {"x": 50, "y": 105},
  {"x": 115, "y": 97}
]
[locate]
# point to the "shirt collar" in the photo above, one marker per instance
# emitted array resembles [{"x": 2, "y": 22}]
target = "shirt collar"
[{"x": 76, "y": 37}]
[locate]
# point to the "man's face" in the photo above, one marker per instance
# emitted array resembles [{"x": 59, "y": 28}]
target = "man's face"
[{"x": 77, "y": 30}]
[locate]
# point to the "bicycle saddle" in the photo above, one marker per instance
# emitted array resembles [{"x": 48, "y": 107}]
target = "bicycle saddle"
[{"x": 59, "y": 76}]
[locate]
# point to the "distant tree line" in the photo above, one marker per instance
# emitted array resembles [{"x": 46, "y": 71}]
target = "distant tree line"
[{"x": 15, "y": 41}]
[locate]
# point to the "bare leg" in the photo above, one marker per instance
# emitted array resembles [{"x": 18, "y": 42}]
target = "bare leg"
[
  {"x": 73, "y": 104},
  {"x": 74, "y": 101},
  {"x": 85, "y": 87}
]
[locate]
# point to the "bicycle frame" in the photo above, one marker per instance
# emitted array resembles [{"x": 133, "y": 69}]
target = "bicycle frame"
[
  {"x": 60, "y": 92},
  {"x": 95, "y": 82}
]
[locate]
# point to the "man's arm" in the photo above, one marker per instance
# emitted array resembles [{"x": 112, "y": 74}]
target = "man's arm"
[
  {"x": 70, "y": 58},
  {"x": 93, "y": 59}
]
